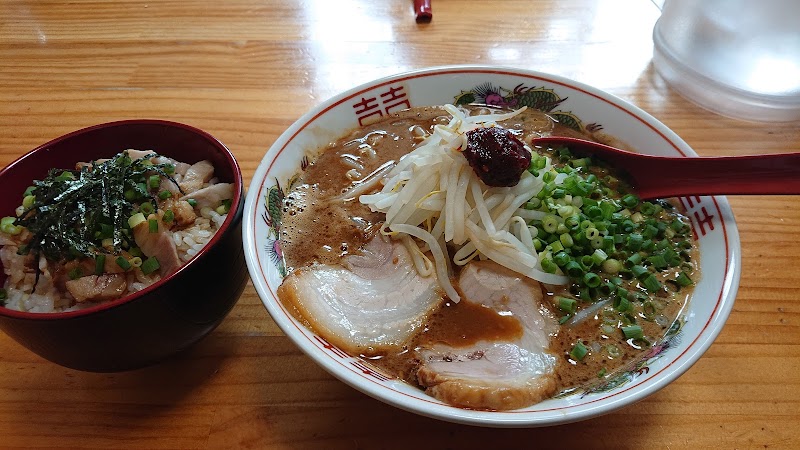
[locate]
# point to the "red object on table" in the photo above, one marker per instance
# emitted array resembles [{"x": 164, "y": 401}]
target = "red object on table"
[{"x": 422, "y": 10}]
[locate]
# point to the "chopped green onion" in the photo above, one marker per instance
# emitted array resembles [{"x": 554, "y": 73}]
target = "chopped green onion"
[
  {"x": 651, "y": 283},
  {"x": 649, "y": 310},
  {"x": 647, "y": 208},
  {"x": 683, "y": 280},
  {"x": 146, "y": 208},
  {"x": 599, "y": 256},
  {"x": 136, "y": 261},
  {"x": 622, "y": 304},
  {"x": 29, "y": 191},
  {"x": 639, "y": 272},
  {"x": 613, "y": 351},
  {"x": 630, "y": 201},
  {"x": 611, "y": 266},
  {"x": 556, "y": 246},
  {"x": 568, "y": 305},
  {"x": 99, "y": 264},
  {"x": 136, "y": 219},
  {"x": 65, "y": 176},
  {"x": 165, "y": 194},
  {"x": 561, "y": 259},
  {"x": 152, "y": 225},
  {"x": 7, "y": 226},
  {"x": 548, "y": 265},
  {"x": 28, "y": 201},
  {"x": 123, "y": 263},
  {"x": 169, "y": 216},
  {"x": 192, "y": 202},
  {"x": 150, "y": 265},
  {"x": 633, "y": 332},
  {"x": 549, "y": 222},
  {"x": 169, "y": 168},
  {"x": 634, "y": 242},
  {"x": 657, "y": 261},
  {"x": 573, "y": 269},
  {"x": 154, "y": 181},
  {"x": 578, "y": 352},
  {"x": 592, "y": 279}
]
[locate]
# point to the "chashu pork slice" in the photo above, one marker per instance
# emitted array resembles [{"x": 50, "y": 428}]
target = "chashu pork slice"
[
  {"x": 371, "y": 304},
  {"x": 495, "y": 375}
]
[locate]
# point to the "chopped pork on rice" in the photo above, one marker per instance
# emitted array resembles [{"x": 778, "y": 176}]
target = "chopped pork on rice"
[{"x": 118, "y": 235}]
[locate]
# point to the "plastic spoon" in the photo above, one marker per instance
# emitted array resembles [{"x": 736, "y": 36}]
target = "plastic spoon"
[{"x": 663, "y": 176}]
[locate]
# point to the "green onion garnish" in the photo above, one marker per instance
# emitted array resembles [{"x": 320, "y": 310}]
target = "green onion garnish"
[
  {"x": 633, "y": 332},
  {"x": 578, "y": 351},
  {"x": 154, "y": 181},
  {"x": 150, "y": 265},
  {"x": 146, "y": 208},
  {"x": 99, "y": 264},
  {"x": 123, "y": 263},
  {"x": 651, "y": 283},
  {"x": 568, "y": 305},
  {"x": 683, "y": 280}
]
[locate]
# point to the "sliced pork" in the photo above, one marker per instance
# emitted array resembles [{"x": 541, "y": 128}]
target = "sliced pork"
[
  {"x": 158, "y": 244},
  {"x": 372, "y": 304},
  {"x": 198, "y": 174},
  {"x": 497, "y": 375},
  {"x": 97, "y": 287},
  {"x": 211, "y": 196}
]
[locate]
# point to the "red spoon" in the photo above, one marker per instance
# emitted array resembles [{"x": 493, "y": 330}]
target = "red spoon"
[{"x": 664, "y": 176}]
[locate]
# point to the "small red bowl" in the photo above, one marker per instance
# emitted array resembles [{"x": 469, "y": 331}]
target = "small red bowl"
[{"x": 166, "y": 317}]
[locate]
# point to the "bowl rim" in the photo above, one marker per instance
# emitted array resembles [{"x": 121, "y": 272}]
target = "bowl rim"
[
  {"x": 235, "y": 208},
  {"x": 678, "y": 365}
]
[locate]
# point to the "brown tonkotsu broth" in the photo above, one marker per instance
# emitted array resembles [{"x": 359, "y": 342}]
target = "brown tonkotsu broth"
[{"x": 320, "y": 225}]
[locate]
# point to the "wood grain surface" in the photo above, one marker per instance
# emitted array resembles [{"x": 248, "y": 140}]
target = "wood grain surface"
[{"x": 244, "y": 70}]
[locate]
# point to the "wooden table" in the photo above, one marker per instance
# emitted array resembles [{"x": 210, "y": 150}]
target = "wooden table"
[{"x": 243, "y": 70}]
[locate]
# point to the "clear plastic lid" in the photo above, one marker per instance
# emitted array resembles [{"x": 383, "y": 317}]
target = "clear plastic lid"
[{"x": 738, "y": 59}]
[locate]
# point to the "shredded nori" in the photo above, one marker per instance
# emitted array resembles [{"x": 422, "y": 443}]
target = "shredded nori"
[{"x": 75, "y": 210}]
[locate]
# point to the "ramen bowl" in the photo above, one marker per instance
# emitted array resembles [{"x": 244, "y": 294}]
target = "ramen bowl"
[
  {"x": 164, "y": 318},
  {"x": 572, "y": 104}
]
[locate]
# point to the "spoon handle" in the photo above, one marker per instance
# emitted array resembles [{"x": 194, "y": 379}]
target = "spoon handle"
[{"x": 731, "y": 175}]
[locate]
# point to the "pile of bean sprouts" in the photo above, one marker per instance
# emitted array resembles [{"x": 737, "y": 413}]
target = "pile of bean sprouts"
[{"x": 433, "y": 198}]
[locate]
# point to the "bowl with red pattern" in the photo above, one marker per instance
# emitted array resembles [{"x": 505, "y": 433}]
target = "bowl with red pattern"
[{"x": 570, "y": 103}]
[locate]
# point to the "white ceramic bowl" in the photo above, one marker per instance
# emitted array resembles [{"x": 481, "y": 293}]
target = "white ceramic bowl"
[{"x": 711, "y": 217}]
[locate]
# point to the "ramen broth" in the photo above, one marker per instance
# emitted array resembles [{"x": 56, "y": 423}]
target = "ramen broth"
[{"x": 321, "y": 226}]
